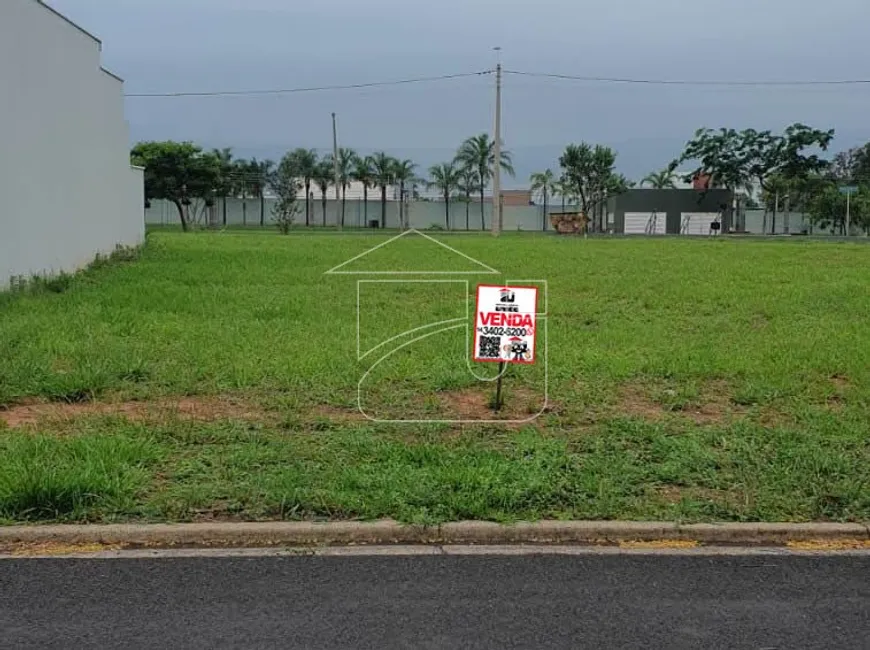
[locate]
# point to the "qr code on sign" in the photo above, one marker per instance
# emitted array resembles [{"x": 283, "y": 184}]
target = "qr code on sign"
[{"x": 488, "y": 347}]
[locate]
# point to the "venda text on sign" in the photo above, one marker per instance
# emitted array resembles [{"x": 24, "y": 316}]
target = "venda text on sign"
[{"x": 505, "y": 324}]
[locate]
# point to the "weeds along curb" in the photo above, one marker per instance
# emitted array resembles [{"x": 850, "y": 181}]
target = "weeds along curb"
[{"x": 300, "y": 534}]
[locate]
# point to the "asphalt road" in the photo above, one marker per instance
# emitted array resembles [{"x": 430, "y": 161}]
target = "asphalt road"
[{"x": 451, "y": 602}]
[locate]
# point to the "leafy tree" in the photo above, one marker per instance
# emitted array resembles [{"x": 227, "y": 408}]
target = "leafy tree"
[
  {"x": 778, "y": 194},
  {"x": 589, "y": 175},
  {"x": 383, "y": 168},
  {"x": 789, "y": 156},
  {"x": 446, "y": 178},
  {"x": 403, "y": 173},
  {"x": 363, "y": 173},
  {"x": 323, "y": 176},
  {"x": 177, "y": 172},
  {"x": 660, "y": 180},
  {"x": 827, "y": 208},
  {"x": 749, "y": 201},
  {"x": 775, "y": 157},
  {"x": 852, "y": 166},
  {"x": 285, "y": 183},
  {"x": 719, "y": 155},
  {"x": 806, "y": 188},
  {"x": 306, "y": 161},
  {"x": 478, "y": 153},
  {"x": 543, "y": 183},
  {"x": 735, "y": 158},
  {"x": 469, "y": 183}
]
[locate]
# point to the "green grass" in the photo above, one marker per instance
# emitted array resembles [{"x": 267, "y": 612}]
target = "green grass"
[
  {"x": 43, "y": 477},
  {"x": 691, "y": 380}
]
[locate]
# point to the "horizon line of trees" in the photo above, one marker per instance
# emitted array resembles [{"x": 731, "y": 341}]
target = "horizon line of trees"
[
  {"x": 180, "y": 172},
  {"x": 785, "y": 170},
  {"x": 784, "y": 166}
]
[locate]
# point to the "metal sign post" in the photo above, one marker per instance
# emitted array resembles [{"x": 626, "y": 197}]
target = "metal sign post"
[{"x": 498, "y": 402}]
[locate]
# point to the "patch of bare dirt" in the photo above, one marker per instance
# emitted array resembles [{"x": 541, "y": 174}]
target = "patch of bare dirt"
[
  {"x": 476, "y": 404},
  {"x": 674, "y": 494},
  {"x": 835, "y": 403},
  {"x": 840, "y": 382},
  {"x": 713, "y": 405},
  {"x": 671, "y": 494},
  {"x": 635, "y": 401},
  {"x": 205, "y": 409},
  {"x": 43, "y": 549},
  {"x": 770, "y": 417},
  {"x": 470, "y": 405}
]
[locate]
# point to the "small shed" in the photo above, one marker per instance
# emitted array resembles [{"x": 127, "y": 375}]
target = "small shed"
[{"x": 642, "y": 211}]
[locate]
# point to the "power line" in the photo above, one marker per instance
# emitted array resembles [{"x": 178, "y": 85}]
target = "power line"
[
  {"x": 311, "y": 89},
  {"x": 687, "y": 82},
  {"x": 542, "y": 75}
]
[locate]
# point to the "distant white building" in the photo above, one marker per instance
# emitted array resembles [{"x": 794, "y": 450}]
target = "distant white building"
[
  {"x": 354, "y": 192},
  {"x": 68, "y": 189}
]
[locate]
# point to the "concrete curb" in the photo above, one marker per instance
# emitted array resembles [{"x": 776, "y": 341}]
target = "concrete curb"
[{"x": 296, "y": 534}]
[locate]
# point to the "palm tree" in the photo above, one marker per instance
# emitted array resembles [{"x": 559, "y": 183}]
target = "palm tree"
[
  {"x": 362, "y": 173},
  {"x": 227, "y": 185},
  {"x": 446, "y": 177},
  {"x": 543, "y": 183},
  {"x": 241, "y": 173},
  {"x": 663, "y": 180},
  {"x": 260, "y": 175},
  {"x": 324, "y": 174},
  {"x": 468, "y": 185},
  {"x": 306, "y": 162},
  {"x": 478, "y": 153},
  {"x": 403, "y": 172},
  {"x": 383, "y": 167},
  {"x": 563, "y": 188},
  {"x": 346, "y": 164}
]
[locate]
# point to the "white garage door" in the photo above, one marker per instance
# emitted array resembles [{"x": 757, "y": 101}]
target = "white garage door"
[
  {"x": 697, "y": 223},
  {"x": 645, "y": 223}
]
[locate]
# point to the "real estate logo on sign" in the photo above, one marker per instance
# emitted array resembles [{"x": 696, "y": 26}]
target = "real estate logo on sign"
[{"x": 505, "y": 324}]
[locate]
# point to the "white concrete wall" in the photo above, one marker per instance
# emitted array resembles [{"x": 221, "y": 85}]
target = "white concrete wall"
[
  {"x": 65, "y": 177},
  {"x": 421, "y": 214},
  {"x": 796, "y": 222}
]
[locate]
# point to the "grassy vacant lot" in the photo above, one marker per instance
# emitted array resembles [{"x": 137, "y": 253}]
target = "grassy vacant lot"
[{"x": 216, "y": 377}]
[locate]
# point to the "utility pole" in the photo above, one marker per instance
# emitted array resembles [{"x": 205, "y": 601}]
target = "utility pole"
[
  {"x": 496, "y": 174},
  {"x": 336, "y": 171}
]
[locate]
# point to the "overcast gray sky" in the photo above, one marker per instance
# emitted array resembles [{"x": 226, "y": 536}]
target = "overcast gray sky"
[{"x": 205, "y": 45}]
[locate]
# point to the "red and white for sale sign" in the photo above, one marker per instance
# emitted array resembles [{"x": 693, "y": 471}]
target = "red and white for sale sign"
[{"x": 505, "y": 324}]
